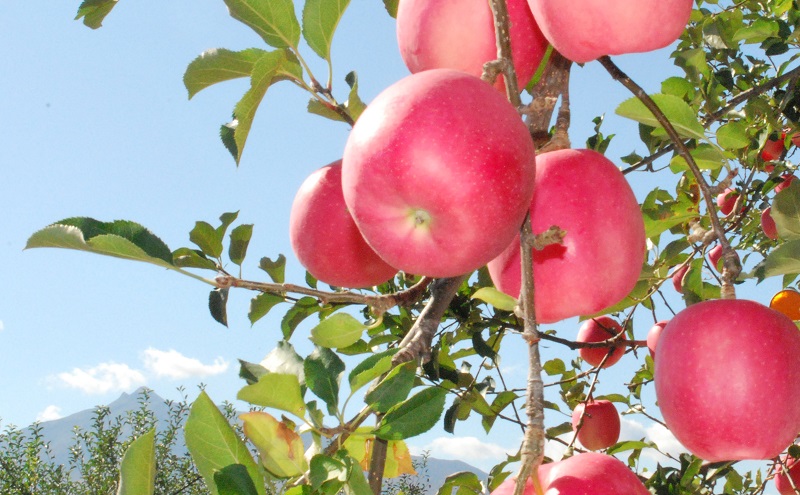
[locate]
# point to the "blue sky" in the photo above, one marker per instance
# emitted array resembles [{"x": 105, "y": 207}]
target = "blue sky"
[{"x": 97, "y": 123}]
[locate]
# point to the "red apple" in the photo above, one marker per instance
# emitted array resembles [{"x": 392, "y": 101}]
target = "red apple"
[
  {"x": 600, "y": 425},
  {"x": 325, "y": 238},
  {"x": 459, "y": 34},
  {"x": 582, "y": 474},
  {"x": 677, "y": 278},
  {"x": 786, "y": 180},
  {"x": 726, "y": 200},
  {"x": 773, "y": 149},
  {"x": 796, "y": 139},
  {"x": 768, "y": 224},
  {"x": 584, "y": 30},
  {"x": 727, "y": 380},
  {"x": 715, "y": 256},
  {"x": 436, "y": 187},
  {"x": 782, "y": 476},
  {"x": 598, "y": 330},
  {"x": 599, "y": 263},
  {"x": 653, "y": 335}
]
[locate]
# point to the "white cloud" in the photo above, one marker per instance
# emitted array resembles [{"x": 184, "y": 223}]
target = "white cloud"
[
  {"x": 2, "y": 326},
  {"x": 50, "y": 413},
  {"x": 662, "y": 437},
  {"x": 173, "y": 364},
  {"x": 103, "y": 378},
  {"x": 468, "y": 449}
]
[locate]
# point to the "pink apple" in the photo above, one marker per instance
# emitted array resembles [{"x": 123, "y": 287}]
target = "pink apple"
[
  {"x": 715, "y": 256},
  {"x": 325, "y": 238},
  {"x": 726, "y": 200},
  {"x": 600, "y": 426},
  {"x": 459, "y": 34},
  {"x": 599, "y": 263},
  {"x": 653, "y": 335},
  {"x": 782, "y": 476},
  {"x": 786, "y": 180},
  {"x": 727, "y": 380},
  {"x": 582, "y": 474},
  {"x": 436, "y": 186},
  {"x": 768, "y": 224},
  {"x": 584, "y": 30},
  {"x": 598, "y": 330},
  {"x": 677, "y": 278},
  {"x": 773, "y": 149}
]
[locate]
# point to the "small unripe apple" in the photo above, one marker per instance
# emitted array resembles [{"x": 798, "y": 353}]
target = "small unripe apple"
[
  {"x": 677, "y": 278},
  {"x": 598, "y": 330},
  {"x": 459, "y": 34},
  {"x": 325, "y": 238},
  {"x": 586, "y": 195},
  {"x": 727, "y": 380},
  {"x": 599, "y": 424},
  {"x": 782, "y": 476},
  {"x": 438, "y": 173},
  {"x": 582, "y": 474},
  {"x": 715, "y": 256},
  {"x": 653, "y": 335},
  {"x": 726, "y": 200},
  {"x": 584, "y": 30},
  {"x": 786, "y": 180},
  {"x": 768, "y": 224}
]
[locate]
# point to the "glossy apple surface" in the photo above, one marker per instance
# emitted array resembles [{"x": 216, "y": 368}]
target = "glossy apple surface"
[
  {"x": 459, "y": 34},
  {"x": 599, "y": 426},
  {"x": 726, "y": 200},
  {"x": 727, "y": 380},
  {"x": 584, "y": 30},
  {"x": 325, "y": 238},
  {"x": 768, "y": 224},
  {"x": 598, "y": 330},
  {"x": 582, "y": 474},
  {"x": 436, "y": 187},
  {"x": 653, "y": 335},
  {"x": 584, "y": 194},
  {"x": 677, "y": 278},
  {"x": 782, "y": 476}
]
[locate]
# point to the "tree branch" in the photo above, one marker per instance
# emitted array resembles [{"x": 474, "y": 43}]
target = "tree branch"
[{"x": 539, "y": 112}]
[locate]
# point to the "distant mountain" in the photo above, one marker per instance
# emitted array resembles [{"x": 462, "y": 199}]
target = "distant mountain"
[{"x": 60, "y": 433}]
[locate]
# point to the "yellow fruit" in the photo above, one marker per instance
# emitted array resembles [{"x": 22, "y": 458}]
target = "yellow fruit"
[{"x": 787, "y": 302}]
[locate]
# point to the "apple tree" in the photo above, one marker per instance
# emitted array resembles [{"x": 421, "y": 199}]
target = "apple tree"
[{"x": 461, "y": 222}]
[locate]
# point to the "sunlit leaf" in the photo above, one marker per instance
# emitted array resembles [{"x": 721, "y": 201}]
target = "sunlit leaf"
[
  {"x": 217, "y": 65},
  {"x": 392, "y": 389},
  {"x": 398, "y": 458},
  {"x": 786, "y": 212},
  {"x": 280, "y": 447},
  {"x": 279, "y": 391},
  {"x": 261, "y": 304},
  {"x": 677, "y": 111},
  {"x": 413, "y": 416},
  {"x": 323, "y": 371},
  {"x": 274, "y": 20},
  {"x": 371, "y": 368},
  {"x": 320, "y": 18},
  {"x": 338, "y": 330},
  {"x": 94, "y": 12},
  {"x": 497, "y": 299},
  {"x": 137, "y": 472},
  {"x": 464, "y": 483},
  {"x": 706, "y": 156},
  {"x": 275, "y": 269},
  {"x": 234, "y": 480}
]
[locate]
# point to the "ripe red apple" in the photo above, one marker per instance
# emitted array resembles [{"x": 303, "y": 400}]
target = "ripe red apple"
[
  {"x": 726, "y": 200},
  {"x": 582, "y": 474},
  {"x": 796, "y": 139},
  {"x": 768, "y": 224},
  {"x": 653, "y": 335},
  {"x": 459, "y": 34},
  {"x": 727, "y": 380},
  {"x": 598, "y": 330},
  {"x": 600, "y": 426},
  {"x": 787, "y": 179},
  {"x": 437, "y": 187},
  {"x": 773, "y": 149},
  {"x": 584, "y": 30},
  {"x": 782, "y": 476},
  {"x": 715, "y": 256},
  {"x": 325, "y": 238},
  {"x": 677, "y": 278},
  {"x": 599, "y": 263}
]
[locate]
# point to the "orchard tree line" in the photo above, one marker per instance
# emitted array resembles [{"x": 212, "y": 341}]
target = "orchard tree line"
[{"x": 461, "y": 218}]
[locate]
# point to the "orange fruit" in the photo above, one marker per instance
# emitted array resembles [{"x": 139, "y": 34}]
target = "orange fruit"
[{"x": 787, "y": 302}]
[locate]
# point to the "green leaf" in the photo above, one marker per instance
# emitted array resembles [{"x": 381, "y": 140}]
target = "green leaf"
[
  {"x": 497, "y": 299},
  {"x": 337, "y": 331},
  {"x": 261, "y": 304},
  {"x": 371, "y": 368},
  {"x": 391, "y": 7},
  {"x": 251, "y": 372},
  {"x": 783, "y": 260},
  {"x": 121, "y": 238},
  {"x": 318, "y": 108},
  {"x": 628, "y": 445},
  {"x": 240, "y": 239},
  {"x": 393, "y": 389},
  {"x": 280, "y": 447},
  {"x": 301, "y": 310},
  {"x": 270, "y": 68},
  {"x": 206, "y": 237},
  {"x": 465, "y": 483},
  {"x": 662, "y": 212},
  {"x": 706, "y": 156},
  {"x": 733, "y": 135},
  {"x": 284, "y": 359},
  {"x": 214, "y": 444},
  {"x": 323, "y": 371},
  {"x": 560, "y": 429},
  {"x": 279, "y": 391},
  {"x": 94, "y": 11},
  {"x": 355, "y": 106},
  {"x": 325, "y": 470},
  {"x": 192, "y": 258},
  {"x": 275, "y": 269},
  {"x": 234, "y": 480},
  {"x": 356, "y": 481},
  {"x": 218, "y": 305},
  {"x": 786, "y": 212},
  {"x": 217, "y": 65},
  {"x": 320, "y": 19},
  {"x": 137, "y": 472},
  {"x": 757, "y": 32},
  {"x": 273, "y": 20},
  {"x": 677, "y": 111},
  {"x": 413, "y": 416}
]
